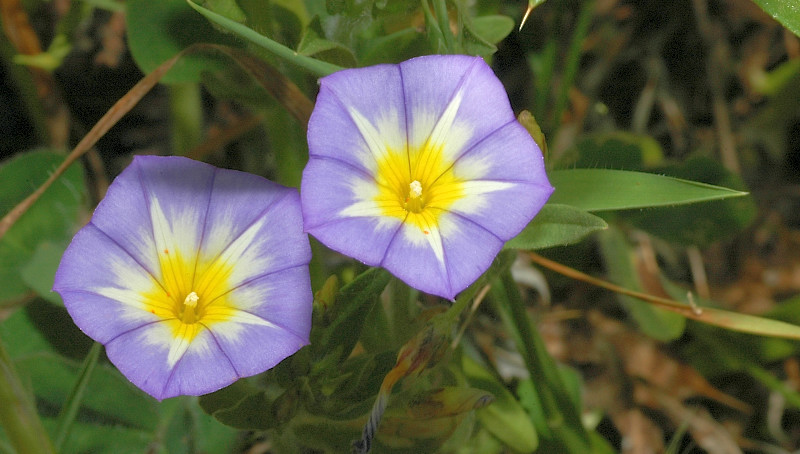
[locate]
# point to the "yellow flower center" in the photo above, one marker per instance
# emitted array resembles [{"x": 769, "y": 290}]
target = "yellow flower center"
[
  {"x": 417, "y": 186},
  {"x": 191, "y": 296}
]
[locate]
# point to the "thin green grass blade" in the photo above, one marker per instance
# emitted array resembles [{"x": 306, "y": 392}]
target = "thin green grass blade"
[{"x": 317, "y": 67}]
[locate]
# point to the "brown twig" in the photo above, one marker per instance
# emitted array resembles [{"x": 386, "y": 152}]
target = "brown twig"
[
  {"x": 117, "y": 111},
  {"x": 278, "y": 85},
  {"x": 577, "y": 275},
  {"x": 712, "y": 316},
  {"x": 220, "y": 139}
]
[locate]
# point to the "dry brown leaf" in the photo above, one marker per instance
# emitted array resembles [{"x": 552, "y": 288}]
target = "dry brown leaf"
[
  {"x": 639, "y": 434},
  {"x": 643, "y": 358},
  {"x": 707, "y": 433}
]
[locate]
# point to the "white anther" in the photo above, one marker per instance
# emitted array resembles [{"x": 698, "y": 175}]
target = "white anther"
[
  {"x": 191, "y": 299},
  {"x": 415, "y": 189}
]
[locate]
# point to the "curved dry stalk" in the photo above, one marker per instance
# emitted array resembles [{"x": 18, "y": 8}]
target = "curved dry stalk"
[
  {"x": 725, "y": 319},
  {"x": 279, "y": 86},
  {"x": 114, "y": 114}
]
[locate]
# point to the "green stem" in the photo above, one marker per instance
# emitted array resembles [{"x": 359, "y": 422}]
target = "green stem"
[
  {"x": 543, "y": 66},
  {"x": 317, "y": 67},
  {"x": 17, "y": 412},
  {"x": 563, "y": 417},
  {"x": 440, "y": 9},
  {"x": 433, "y": 30},
  {"x": 573, "y": 60},
  {"x": 186, "y": 114},
  {"x": 73, "y": 404}
]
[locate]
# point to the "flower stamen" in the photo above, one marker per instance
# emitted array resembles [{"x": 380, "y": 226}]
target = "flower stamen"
[
  {"x": 414, "y": 201},
  {"x": 189, "y": 314}
]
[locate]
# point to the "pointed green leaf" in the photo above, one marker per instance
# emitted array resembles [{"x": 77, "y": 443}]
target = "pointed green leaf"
[
  {"x": 40, "y": 271},
  {"x": 556, "y": 225},
  {"x": 54, "y": 217},
  {"x": 504, "y": 418},
  {"x": 159, "y": 30},
  {"x": 734, "y": 321},
  {"x": 317, "y": 67},
  {"x": 346, "y": 316},
  {"x": 787, "y": 12},
  {"x": 703, "y": 223},
  {"x": 608, "y": 190}
]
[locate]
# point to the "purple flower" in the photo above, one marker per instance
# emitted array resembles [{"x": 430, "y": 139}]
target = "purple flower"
[
  {"x": 191, "y": 276},
  {"x": 420, "y": 168}
]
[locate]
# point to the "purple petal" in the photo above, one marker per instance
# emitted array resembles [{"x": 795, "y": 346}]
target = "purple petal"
[
  {"x": 474, "y": 178},
  {"x": 141, "y": 356},
  {"x": 469, "y": 249},
  {"x": 191, "y": 276},
  {"x": 412, "y": 259},
  {"x": 99, "y": 282},
  {"x": 326, "y": 195},
  {"x": 518, "y": 170},
  {"x": 376, "y": 93},
  {"x": 434, "y": 82}
]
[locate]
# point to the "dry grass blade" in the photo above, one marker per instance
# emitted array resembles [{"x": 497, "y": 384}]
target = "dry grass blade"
[
  {"x": 278, "y": 85},
  {"x": 117, "y": 111},
  {"x": 270, "y": 78},
  {"x": 725, "y": 319}
]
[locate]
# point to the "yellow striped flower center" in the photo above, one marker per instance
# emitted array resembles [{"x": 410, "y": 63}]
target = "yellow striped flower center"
[
  {"x": 191, "y": 296},
  {"x": 418, "y": 186}
]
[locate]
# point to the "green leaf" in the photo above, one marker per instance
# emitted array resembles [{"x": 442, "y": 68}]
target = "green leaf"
[
  {"x": 746, "y": 323},
  {"x": 393, "y": 47},
  {"x": 314, "y": 44},
  {"x": 532, "y": 403},
  {"x": 349, "y": 390},
  {"x": 52, "y": 377},
  {"x": 556, "y": 225},
  {"x": 616, "y": 150},
  {"x": 786, "y": 12},
  {"x": 706, "y": 312},
  {"x": 608, "y": 190},
  {"x": 40, "y": 271},
  {"x": 254, "y": 412},
  {"x": 85, "y": 438},
  {"x": 504, "y": 418},
  {"x": 183, "y": 429},
  {"x": 159, "y": 30},
  {"x": 702, "y": 223},
  {"x": 565, "y": 428},
  {"x": 211, "y": 436},
  {"x": 472, "y": 43},
  {"x": 297, "y": 9},
  {"x": 492, "y": 29},
  {"x": 227, "y": 8},
  {"x": 317, "y": 67},
  {"x": 54, "y": 217},
  {"x": 346, "y": 316}
]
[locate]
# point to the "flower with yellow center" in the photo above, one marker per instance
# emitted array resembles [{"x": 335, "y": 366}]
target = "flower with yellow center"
[
  {"x": 191, "y": 276},
  {"x": 420, "y": 168}
]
